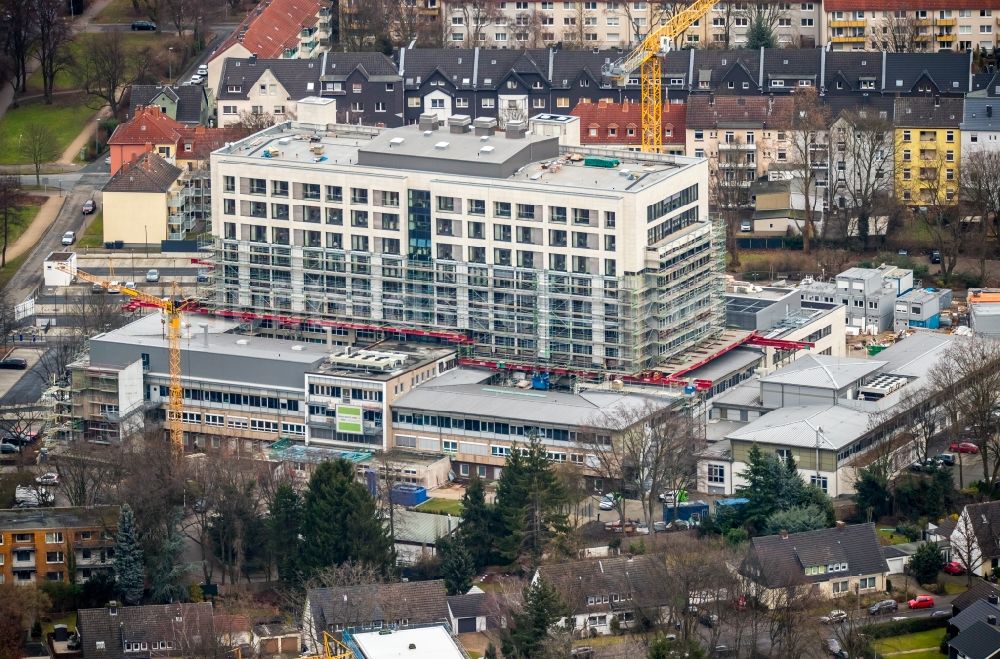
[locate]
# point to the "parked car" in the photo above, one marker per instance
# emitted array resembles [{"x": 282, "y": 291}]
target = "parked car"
[
  {"x": 15, "y": 363},
  {"x": 68, "y": 238},
  {"x": 835, "y": 617},
  {"x": 947, "y": 459},
  {"x": 96, "y": 288},
  {"x": 203, "y": 276},
  {"x": 963, "y": 447},
  {"x": 153, "y": 275},
  {"x": 196, "y": 79},
  {"x": 746, "y": 226},
  {"x": 641, "y": 529},
  {"x": 935, "y": 256},
  {"x": 708, "y": 619},
  {"x": 89, "y": 207},
  {"x": 203, "y": 70},
  {"x": 608, "y": 501},
  {"x": 921, "y": 602},
  {"x": 885, "y": 606},
  {"x": 903, "y": 252},
  {"x": 9, "y": 448},
  {"x": 107, "y": 160},
  {"x": 35, "y": 495},
  {"x": 953, "y": 567},
  {"x": 50, "y": 478},
  {"x": 114, "y": 287},
  {"x": 834, "y": 648},
  {"x": 941, "y": 613},
  {"x": 143, "y": 26},
  {"x": 660, "y": 526}
]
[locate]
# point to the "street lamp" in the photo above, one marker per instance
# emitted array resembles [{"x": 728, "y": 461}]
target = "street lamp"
[
  {"x": 170, "y": 64},
  {"x": 97, "y": 133}
]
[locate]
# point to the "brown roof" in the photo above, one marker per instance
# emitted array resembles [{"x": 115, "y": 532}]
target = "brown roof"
[
  {"x": 203, "y": 141},
  {"x": 230, "y": 624},
  {"x": 147, "y": 173},
  {"x": 415, "y": 602},
  {"x": 641, "y": 577},
  {"x": 148, "y": 126},
  {"x": 272, "y": 26},
  {"x": 738, "y": 111},
  {"x": 621, "y": 116},
  {"x": 928, "y": 112},
  {"x": 186, "y": 627}
]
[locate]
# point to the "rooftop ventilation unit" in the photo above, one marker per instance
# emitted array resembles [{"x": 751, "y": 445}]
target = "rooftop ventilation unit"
[
  {"x": 486, "y": 149},
  {"x": 396, "y": 141},
  {"x": 881, "y": 386},
  {"x": 441, "y": 146}
]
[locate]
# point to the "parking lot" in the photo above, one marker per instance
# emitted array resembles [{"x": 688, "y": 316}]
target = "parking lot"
[{"x": 9, "y": 377}]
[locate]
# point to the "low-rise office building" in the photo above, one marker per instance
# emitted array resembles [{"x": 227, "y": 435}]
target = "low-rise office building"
[
  {"x": 984, "y": 311},
  {"x": 921, "y": 307},
  {"x": 868, "y": 294},
  {"x": 54, "y": 544}
]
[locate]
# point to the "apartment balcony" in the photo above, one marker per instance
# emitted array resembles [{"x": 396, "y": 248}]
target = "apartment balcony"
[
  {"x": 854, "y": 39},
  {"x": 737, "y": 146},
  {"x": 24, "y": 565},
  {"x": 737, "y": 165},
  {"x": 851, "y": 23},
  {"x": 946, "y": 37},
  {"x": 922, "y": 37},
  {"x": 945, "y": 22}
]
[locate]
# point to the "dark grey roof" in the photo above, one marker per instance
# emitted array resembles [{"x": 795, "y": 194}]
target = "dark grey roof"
[
  {"x": 985, "y": 519},
  {"x": 890, "y": 551},
  {"x": 455, "y": 64},
  {"x": 147, "y": 173},
  {"x": 984, "y": 82},
  {"x": 569, "y": 66},
  {"x": 295, "y": 75},
  {"x": 976, "y": 611},
  {"x": 643, "y": 577},
  {"x": 189, "y": 627},
  {"x": 792, "y": 63},
  {"x": 375, "y": 66},
  {"x": 980, "y": 641},
  {"x": 928, "y": 112},
  {"x": 980, "y": 590},
  {"x": 852, "y": 66},
  {"x": 721, "y": 62},
  {"x": 418, "y": 602},
  {"x": 24, "y": 519},
  {"x": 981, "y": 113},
  {"x": 190, "y": 99},
  {"x": 782, "y": 561},
  {"x": 949, "y": 72},
  {"x": 470, "y": 605},
  {"x": 873, "y": 105}
]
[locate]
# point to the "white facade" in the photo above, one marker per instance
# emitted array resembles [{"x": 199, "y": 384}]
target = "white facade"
[{"x": 53, "y": 275}]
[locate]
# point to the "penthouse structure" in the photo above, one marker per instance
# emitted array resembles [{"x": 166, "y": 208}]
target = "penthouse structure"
[{"x": 502, "y": 241}]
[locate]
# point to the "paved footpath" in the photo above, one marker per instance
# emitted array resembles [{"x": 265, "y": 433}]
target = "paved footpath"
[{"x": 43, "y": 220}]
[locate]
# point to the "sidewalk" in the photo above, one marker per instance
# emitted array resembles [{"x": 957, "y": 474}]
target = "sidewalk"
[
  {"x": 7, "y": 90},
  {"x": 81, "y": 140},
  {"x": 43, "y": 220}
]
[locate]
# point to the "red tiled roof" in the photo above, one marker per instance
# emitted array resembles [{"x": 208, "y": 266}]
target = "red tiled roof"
[
  {"x": 271, "y": 27},
  {"x": 204, "y": 140},
  {"x": 148, "y": 126},
  {"x": 905, "y": 5},
  {"x": 620, "y": 116},
  {"x": 230, "y": 624}
]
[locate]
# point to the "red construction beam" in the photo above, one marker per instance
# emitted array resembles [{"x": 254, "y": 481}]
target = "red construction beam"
[{"x": 779, "y": 344}]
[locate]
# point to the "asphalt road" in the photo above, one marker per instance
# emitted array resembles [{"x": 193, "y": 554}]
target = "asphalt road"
[
  {"x": 29, "y": 276},
  {"x": 31, "y": 385}
]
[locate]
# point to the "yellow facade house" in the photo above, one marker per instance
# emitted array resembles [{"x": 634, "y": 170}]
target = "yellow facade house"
[
  {"x": 138, "y": 200},
  {"x": 927, "y": 150}
]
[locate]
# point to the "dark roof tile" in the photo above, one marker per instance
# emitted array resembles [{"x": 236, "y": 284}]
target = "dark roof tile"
[
  {"x": 418, "y": 602},
  {"x": 187, "y": 626},
  {"x": 147, "y": 173},
  {"x": 644, "y": 577},
  {"x": 980, "y": 641}
]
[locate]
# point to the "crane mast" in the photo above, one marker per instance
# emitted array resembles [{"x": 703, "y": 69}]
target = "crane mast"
[
  {"x": 645, "y": 58},
  {"x": 171, "y": 307}
]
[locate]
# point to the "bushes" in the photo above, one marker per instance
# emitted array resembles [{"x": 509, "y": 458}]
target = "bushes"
[{"x": 900, "y": 627}]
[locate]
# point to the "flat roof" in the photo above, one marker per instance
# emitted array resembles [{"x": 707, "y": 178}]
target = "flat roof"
[
  {"x": 920, "y": 295},
  {"x": 824, "y": 371},
  {"x": 720, "y": 367},
  {"x": 800, "y": 319},
  {"x": 585, "y": 408},
  {"x": 860, "y": 273},
  {"x": 423, "y": 528},
  {"x": 23, "y": 519},
  {"x": 534, "y": 160},
  {"x": 980, "y": 295},
  {"x": 835, "y": 425},
  {"x": 434, "y": 642}
]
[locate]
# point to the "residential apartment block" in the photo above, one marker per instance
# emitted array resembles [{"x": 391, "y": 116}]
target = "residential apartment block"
[
  {"x": 620, "y": 125},
  {"x": 603, "y": 260},
  {"x": 928, "y": 139},
  {"x": 940, "y": 25},
  {"x": 796, "y": 25},
  {"x": 980, "y": 127},
  {"x": 56, "y": 544}
]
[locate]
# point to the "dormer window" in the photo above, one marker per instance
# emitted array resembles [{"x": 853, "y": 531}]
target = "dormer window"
[{"x": 233, "y": 89}]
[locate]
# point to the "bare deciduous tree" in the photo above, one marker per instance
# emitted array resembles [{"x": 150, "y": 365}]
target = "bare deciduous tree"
[
  {"x": 862, "y": 153},
  {"x": 87, "y": 472},
  {"x": 10, "y": 204},
  {"x": 38, "y": 145},
  {"x": 808, "y": 144},
  {"x": 896, "y": 32},
  {"x": 644, "y": 450},
  {"x": 477, "y": 15},
  {"x": 54, "y": 34},
  {"x": 109, "y": 67},
  {"x": 21, "y": 36},
  {"x": 980, "y": 188}
]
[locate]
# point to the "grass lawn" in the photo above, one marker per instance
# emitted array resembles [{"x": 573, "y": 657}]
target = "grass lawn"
[
  {"x": 66, "y": 118},
  {"x": 12, "y": 267},
  {"x": 19, "y": 222},
  {"x": 929, "y": 639},
  {"x": 441, "y": 507},
  {"x": 94, "y": 235},
  {"x": 891, "y": 537},
  {"x": 69, "y": 620},
  {"x": 119, "y": 11}
]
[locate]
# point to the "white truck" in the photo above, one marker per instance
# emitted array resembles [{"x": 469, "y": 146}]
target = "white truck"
[{"x": 27, "y": 496}]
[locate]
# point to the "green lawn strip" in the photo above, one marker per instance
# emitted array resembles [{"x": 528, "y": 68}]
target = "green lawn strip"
[
  {"x": 19, "y": 221},
  {"x": 66, "y": 117},
  {"x": 12, "y": 267},
  {"x": 120, "y": 11},
  {"x": 78, "y": 48},
  {"x": 94, "y": 235},
  {"x": 892, "y": 537},
  {"x": 929, "y": 639},
  {"x": 441, "y": 507}
]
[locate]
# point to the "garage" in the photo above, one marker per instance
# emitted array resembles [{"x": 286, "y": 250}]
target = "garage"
[{"x": 466, "y": 625}]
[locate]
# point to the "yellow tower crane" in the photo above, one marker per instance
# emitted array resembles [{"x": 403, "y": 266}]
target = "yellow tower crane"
[
  {"x": 646, "y": 57},
  {"x": 172, "y": 307}
]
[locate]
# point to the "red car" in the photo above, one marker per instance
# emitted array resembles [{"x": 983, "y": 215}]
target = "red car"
[
  {"x": 963, "y": 447},
  {"x": 921, "y": 602},
  {"x": 953, "y": 567}
]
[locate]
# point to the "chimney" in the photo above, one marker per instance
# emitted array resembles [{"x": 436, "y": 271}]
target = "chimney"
[
  {"x": 994, "y": 600},
  {"x": 204, "y": 332},
  {"x": 485, "y": 126},
  {"x": 841, "y": 525},
  {"x": 784, "y": 534},
  {"x": 460, "y": 123},
  {"x": 989, "y": 110},
  {"x": 253, "y": 59},
  {"x": 428, "y": 121},
  {"x": 113, "y": 608},
  {"x": 992, "y": 620},
  {"x": 515, "y": 129}
]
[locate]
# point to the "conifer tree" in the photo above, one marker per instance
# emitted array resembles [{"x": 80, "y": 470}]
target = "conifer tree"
[{"x": 129, "y": 570}]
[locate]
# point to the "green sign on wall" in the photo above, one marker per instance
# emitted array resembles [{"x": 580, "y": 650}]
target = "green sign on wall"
[{"x": 349, "y": 419}]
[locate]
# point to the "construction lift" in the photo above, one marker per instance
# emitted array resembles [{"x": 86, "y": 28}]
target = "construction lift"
[
  {"x": 646, "y": 57},
  {"x": 172, "y": 307}
]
